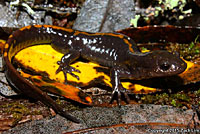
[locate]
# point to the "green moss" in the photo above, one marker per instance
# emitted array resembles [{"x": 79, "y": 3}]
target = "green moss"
[
  {"x": 170, "y": 4},
  {"x": 143, "y": 48},
  {"x": 17, "y": 117},
  {"x": 166, "y": 99},
  {"x": 158, "y": 98},
  {"x": 17, "y": 110},
  {"x": 173, "y": 102},
  {"x": 177, "y": 99},
  {"x": 58, "y": 101},
  {"x": 16, "y": 107},
  {"x": 180, "y": 96},
  {"x": 197, "y": 92},
  {"x": 187, "y": 51},
  {"x": 169, "y": 10},
  {"x": 135, "y": 20}
]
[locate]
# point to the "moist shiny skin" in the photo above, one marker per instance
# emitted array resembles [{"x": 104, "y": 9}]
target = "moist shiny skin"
[{"x": 113, "y": 50}]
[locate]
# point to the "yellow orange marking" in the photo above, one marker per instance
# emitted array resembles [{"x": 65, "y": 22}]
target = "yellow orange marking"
[
  {"x": 67, "y": 91},
  {"x": 38, "y": 26},
  {"x": 88, "y": 99},
  {"x": 14, "y": 41},
  {"x": 139, "y": 88},
  {"x": 59, "y": 28},
  {"x": 46, "y": 26},
  {"x": 2, "y": 45},
  {"x": 10, "y": 36},
  {"x": 189, "y": 65},
  {"x": 71, "y": 30},
  {"x": 23, "y": 28},
  {"x": 7, "y": 45},
  {"x": 5, "y": 54},
  {"x": 115, "y": 35},
  {"x": 102, "y": 34},
  {"x": 145, "y": 51},
  {"x": 2, "y": 41},
  {"x": 129, "y": 44},
  {"x": 78, "y": 32}
]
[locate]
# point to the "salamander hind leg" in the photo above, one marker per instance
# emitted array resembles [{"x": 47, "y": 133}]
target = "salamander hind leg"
[
  {"x": 118, "y": 89},
  {"x": 64, "y": 65}
]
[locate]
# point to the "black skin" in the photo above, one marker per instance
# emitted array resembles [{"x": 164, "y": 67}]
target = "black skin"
[{"x": 113, "y": 50}]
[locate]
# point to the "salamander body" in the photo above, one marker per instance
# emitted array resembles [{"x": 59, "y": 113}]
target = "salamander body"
[{"x": 113, "y": 50}]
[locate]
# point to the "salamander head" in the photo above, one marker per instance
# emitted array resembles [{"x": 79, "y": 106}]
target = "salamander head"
[
  {"x": 164, "y": 63},
  {"x": 159, "y": 64}
]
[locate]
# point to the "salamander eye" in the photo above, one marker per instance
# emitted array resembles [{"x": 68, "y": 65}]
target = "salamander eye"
[{"x": 165, "y": 66}]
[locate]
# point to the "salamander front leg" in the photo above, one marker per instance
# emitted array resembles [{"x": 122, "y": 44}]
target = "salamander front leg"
[
  {"x": 117, "y": 86},
  {"x": 64, "y": 65}
]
